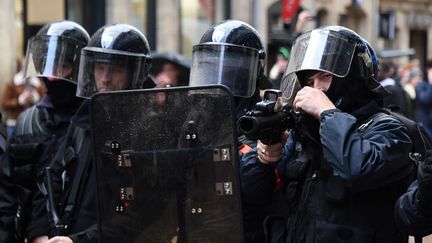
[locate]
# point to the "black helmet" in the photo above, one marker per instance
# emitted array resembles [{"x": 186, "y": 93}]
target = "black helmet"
[
  {"x": 230, "y": 53},
  {"x": 336, "y": 50},
  {"x": 114, "y": 48},
  {"x": 55, "y": 51}
]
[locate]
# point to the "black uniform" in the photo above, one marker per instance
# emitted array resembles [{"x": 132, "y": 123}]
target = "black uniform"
[
  {"x": 413, "y": 212},
  {"x": 8, "y": 201},
  {"x": 414, "y": 208},
  {"x": 74, "y": 151},
  {"x": 40, "y": 128},
  {"x": 241, "y": 68},
  {"x": 334, "y": 198},
  {"x": 342, "y": 172},
  {"x": 73, "y": 181},
  {"x": 39, "y": 132}
]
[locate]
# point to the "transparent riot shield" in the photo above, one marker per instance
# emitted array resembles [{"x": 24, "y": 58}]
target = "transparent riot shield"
[{"x": 167, "y": 166}]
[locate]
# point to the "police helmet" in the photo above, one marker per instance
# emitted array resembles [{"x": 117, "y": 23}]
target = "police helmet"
[
  {"x": 336, "y": 50},
  {"x": 114, "y": 50},
  {"x": 54, "y": 52},
  {"x": 232, "y": 54}
]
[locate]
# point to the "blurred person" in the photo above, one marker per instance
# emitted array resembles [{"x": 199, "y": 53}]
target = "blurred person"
[
  {"x": 423, "y": 101},
  {"x": 168, "y": 76},
  {"x": 19, "y": 94},
  {"x": 169, "y": 69},
  {"x": 415, "y": 77},
  {"x": 52, "y": 56},
  {"x": 116, "y": 58},
  {"x": 344, "y": 163},
  {"x": 303, "y": 18},
  {"x": 405, "y": 76},
  {"x": 398, "y": 100},
  {"x": 295, "y": 29},
  {"x": 278, "y": 69}
]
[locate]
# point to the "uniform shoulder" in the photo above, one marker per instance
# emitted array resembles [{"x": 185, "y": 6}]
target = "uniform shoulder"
[{"x": 28, "y": 122}]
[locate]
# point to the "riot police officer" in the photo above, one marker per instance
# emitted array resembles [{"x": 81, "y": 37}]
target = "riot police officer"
[
  {"x": 345, "y": 163},
  {"x": 116, "y": 58},
  {"x": 231, "y": 53},
  {"x": 53, "y": 55}
]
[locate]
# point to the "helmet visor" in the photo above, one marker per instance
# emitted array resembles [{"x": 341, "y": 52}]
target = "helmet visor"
[
  {"x": 323, "y": 50},
  {"x": 290, "y": 85},
  {"x": 104, "y": 70},
  {"x": 53, "y": 57},
  {"x": 233, "y": 66}
]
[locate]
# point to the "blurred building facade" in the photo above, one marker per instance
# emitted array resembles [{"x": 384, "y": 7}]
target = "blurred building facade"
[{"x": 176, "y": 25}]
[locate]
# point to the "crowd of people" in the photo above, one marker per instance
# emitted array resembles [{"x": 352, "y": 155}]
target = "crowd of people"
[
  {"x": 411, "y": 90},
  {"x": 340, "y": 172}
]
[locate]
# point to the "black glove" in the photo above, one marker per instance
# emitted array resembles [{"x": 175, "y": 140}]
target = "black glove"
[
  {"x": 424, "y": 173},
  {"x": 424, "y": 177}
]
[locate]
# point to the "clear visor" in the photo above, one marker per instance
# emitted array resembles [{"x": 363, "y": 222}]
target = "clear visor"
[
  {"x": 103, "y": 70},
  {"x": 54, "y": 57},
  {"x": 233, "y": 66},
  {"x": 290, "y": 85},
  {"x": 322, "y": 50}
]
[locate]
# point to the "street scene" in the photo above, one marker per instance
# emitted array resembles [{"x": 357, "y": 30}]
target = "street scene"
[{"x": 186, "y": 121}]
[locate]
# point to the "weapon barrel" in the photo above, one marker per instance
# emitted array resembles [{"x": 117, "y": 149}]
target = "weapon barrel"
[{"x": 261, "y": 126}]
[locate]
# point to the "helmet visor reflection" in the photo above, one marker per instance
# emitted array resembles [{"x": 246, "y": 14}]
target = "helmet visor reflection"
[
  {"x": 233, "y": 66},
  {"x": 53, "y": 56},
  {"x": 109, "y": 70},
  {"x": 290, "y": 85},
  {"x": 322, "y": 50}
]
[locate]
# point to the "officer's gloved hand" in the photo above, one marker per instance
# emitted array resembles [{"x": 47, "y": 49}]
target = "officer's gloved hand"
[
  {"x": 424, "y": 177},
  {"x": 424, "y": 173}
]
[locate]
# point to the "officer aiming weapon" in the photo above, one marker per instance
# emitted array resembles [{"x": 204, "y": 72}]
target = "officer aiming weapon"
[{"x": 269, "y": 118}]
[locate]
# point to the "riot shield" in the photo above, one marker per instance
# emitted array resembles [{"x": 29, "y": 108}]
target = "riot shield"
[{"x": 167, "y": 165}]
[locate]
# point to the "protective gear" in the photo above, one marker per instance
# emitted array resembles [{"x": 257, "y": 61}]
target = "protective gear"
[
  {"x": 192, "y": 198},
  {"x": 413, "y": 212},
  {"x": 7, "y": 194},
  {"x": 37, "y": 136},
  {"x": 230, "y": 53},
  {"x": 424, "y": 173},
  {"x": 54, "y": 52},
  {"x": 112, "y": 48},
  {"x": 60, "y": 95},
  {"x": 339, "y": 51},
  {"x": 320, "y": 193}
]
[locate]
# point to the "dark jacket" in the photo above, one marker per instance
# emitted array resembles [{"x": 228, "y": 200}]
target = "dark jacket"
[
  {"x": 73, "y": 152},
  {"x": 397, "y": 98},
  {"x": 341, "y": 188},
  {"x": 413, "y": 211},
  {"x": 39, "y": 131},
  {"x": 8, "y": 201}
]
